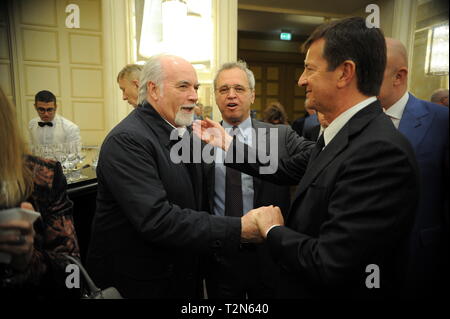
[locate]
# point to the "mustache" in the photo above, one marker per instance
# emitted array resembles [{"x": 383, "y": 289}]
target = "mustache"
[{"x": 188, "y": 106}]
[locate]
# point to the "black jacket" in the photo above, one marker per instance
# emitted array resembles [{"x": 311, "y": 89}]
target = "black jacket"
[
  {"x": 148, "y": 230},
  {"x": 353, "y": 208}
]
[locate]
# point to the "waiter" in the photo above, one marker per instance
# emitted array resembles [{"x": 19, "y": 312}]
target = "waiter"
[{"x": 50, "y": 128}]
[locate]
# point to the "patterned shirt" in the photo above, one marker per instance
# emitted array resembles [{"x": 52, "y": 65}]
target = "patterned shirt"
[{"x": 55, "y": 236}]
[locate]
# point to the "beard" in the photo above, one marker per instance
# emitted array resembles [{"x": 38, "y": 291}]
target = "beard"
[{"x": 184, "y": 119}]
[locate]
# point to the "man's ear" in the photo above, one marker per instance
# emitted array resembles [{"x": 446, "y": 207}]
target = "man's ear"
[
  {"x": 153, "y": 90},
  {"x": 401, "y": 76},
  {"x": 346, "y": 74},
  {"x": 135, "y": 83}
]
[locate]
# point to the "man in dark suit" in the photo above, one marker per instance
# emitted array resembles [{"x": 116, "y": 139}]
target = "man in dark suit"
[
  {"x": 425, "y": 125},
  {"x": 314, "y": 132},
  {"x": 302, "y": 124},
  {"x": 346, "y": 230},
  {"x": 148, "y": 230},
  {"x": 250, "y": 272}
]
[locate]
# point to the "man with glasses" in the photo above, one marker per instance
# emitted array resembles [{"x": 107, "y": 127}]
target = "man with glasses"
[
  {"x": 250, "y": 272},
  {"x": 49, "y": 127}
]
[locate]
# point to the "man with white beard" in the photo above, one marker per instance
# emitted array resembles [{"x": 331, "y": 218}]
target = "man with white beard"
[{"x": 148, "y": 229}]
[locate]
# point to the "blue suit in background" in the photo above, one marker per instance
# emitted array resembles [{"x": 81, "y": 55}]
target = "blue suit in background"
[{"x": 426, "y": 126}]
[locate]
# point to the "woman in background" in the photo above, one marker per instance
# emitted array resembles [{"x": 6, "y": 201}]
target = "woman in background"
[
  {"x": 37, "y": 267},
  {"x": 275, "y": 114}
]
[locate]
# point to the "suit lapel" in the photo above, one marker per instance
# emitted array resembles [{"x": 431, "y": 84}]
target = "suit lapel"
[
  {"x": 415, "y": 122},
  {"x": 257, "y": 181},
  {"x": 335, "y": 147},
  {"x": 329, "y": 153}
]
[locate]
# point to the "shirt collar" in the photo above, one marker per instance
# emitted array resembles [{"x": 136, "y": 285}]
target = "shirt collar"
[
  {"x": 339, "y": 122},
  {"x": 244, "y": 128},
  {"x": 181, "y": 130},
  {"x": 55, "y": 119},
  {"x": 396, "y": 110}
]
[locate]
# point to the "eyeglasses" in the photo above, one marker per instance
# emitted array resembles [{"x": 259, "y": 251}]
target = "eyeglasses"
[
  {"x": 42, "y": 110},
  {"x": 239, "y": 89}
]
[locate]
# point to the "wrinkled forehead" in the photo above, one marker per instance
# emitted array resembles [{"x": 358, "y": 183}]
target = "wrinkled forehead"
[{"x": 234, "y": 76}]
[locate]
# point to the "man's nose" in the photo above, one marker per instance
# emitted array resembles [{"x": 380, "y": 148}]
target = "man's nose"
[
  {"x": 302, "y": 81},
  {"x": 193, "y": 96},
  {"x": 232, "y": 93}
]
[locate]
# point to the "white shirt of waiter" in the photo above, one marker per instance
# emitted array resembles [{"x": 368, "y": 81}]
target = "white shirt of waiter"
[{"x": 62, "y": 131}]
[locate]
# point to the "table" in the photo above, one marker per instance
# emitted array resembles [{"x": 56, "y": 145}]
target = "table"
[{"x": 83, "y": 193}]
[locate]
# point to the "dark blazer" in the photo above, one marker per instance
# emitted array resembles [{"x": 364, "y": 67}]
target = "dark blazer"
[
  {"x": 312, "y": 133},
  {"x": 425, "y": 125},
  {"x": 266, "y": 193},
  {"x": 302, "y": 124},
  {"x": 255, "y": 263},
  {"x": 353, "y": 208},
  {"x": 148, "y": 231}
]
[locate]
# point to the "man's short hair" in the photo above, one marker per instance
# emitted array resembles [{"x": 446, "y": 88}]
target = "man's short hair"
[
  {"x": 130, "y": 71},
  {"x": 351, "y": 39},
  {"x": 438, "y": 95},
  {"x": 239, "y": 65},
  {"x": 44, "y": 96}
]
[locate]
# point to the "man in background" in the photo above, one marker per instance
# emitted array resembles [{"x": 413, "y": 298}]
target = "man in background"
[
  {"x": 425, "y": 125},
  {"x": 303, "y": 124},
  {"x": 198, "y": 111},
  {"x": 128, "y": 80},
  {"x": 314, "y": 132},
  {"x": 49, "y": 127},
  {"x": 250, "y": 272},
  {"x": 440, "y": 96}
]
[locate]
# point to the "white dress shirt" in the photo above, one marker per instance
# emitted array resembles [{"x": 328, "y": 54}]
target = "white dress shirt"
[
  {"x": 331, "y": 131},
  {"x": 395, "y": 112},
  {"x": 62, "y": 131}
]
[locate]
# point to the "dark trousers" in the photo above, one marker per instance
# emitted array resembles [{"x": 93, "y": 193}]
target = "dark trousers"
[{"x": 248, "y": 274}]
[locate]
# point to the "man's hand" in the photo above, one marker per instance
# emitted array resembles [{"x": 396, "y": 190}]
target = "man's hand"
[
  {"x": 249, "y": 231},
  {"x": 267, "y": 217},
  {"x": 18, "y": 240},
  {"x": 212, "y": 133}
]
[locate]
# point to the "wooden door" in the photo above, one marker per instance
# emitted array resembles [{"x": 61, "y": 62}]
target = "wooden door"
[{"x": 278, "y": 82}]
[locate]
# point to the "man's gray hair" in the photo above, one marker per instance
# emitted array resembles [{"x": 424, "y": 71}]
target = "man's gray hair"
[
  {"x": 239, "y": 65},
  {"x": 130, "y": 71},
  {"x": 153, "y": 72},
  {"x": 438, "y": 95}
]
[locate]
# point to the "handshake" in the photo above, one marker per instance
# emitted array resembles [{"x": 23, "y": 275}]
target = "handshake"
[{"x": 257, "y": 222}]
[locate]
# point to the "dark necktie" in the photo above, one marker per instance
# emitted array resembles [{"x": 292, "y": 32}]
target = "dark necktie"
[
  {"x": 317, "y": 149},
  {"x": 42, "y": 124},
  {"x": 233, "y": 189}
]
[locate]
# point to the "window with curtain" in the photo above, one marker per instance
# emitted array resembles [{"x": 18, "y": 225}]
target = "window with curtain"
[
  {"x": 437, "y": 51},
  {"x": 180, "y": 27}
]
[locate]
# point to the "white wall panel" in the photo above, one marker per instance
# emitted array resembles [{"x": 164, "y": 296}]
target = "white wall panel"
[{"x": 40, "y": 45}]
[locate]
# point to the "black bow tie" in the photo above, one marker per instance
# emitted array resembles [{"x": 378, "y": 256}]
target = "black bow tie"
[{"x": 42, "y": 124}]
